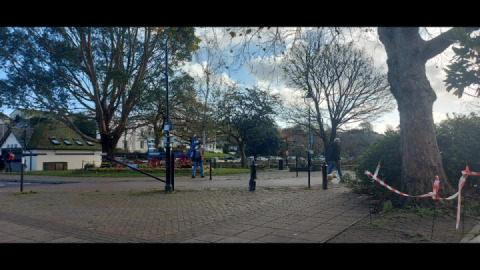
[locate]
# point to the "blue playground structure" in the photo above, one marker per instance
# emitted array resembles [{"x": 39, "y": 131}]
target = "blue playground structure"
[{"x": 157, "y": 159}]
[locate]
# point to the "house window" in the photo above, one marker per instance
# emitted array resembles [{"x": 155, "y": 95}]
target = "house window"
[
  {"x": 142, "y": 144},
  {"x": 77, "y": 141},
  {"x": 66, "y": 141},
  {"x": 89, "y": 143},
  {"x": 54, "y": 140},
  {"x": 55, "y": 166}
]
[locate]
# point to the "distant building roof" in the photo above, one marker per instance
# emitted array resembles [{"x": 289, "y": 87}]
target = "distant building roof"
[{"x": 51, "y": 134}]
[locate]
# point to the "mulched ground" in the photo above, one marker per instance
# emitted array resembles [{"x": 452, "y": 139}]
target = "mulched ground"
[{"x": 401, "y": 226}]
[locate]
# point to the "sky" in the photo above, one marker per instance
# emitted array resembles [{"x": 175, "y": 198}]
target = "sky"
[
  {"x": 446, "y": 102},
  {"x": 254, "y": 75}
]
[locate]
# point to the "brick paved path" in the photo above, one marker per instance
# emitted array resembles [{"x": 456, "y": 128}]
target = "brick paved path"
[
  {"x": 105, "y": 210},
  {"x": 282, "y": 209}
]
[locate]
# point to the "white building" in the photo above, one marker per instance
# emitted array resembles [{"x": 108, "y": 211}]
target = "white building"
[
  {"x": 135, "y": 140},
  {"x": 50, "y": 145}
]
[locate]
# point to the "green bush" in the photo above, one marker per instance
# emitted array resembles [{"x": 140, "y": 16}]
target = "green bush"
[
  {"x": 458, "y": 138},
  {"x": 386, "y": 150},
  {"x": 89, "y": 166},
  {"x": 387, "y": 207}
]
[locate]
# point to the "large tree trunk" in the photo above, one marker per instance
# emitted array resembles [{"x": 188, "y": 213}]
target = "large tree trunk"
[
  {"x": 421, "y": 158},
  {"x": 109, "y": 144}
]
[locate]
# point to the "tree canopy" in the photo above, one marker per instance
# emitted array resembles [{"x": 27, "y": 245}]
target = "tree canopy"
[
  {"x": 464, "y": 71},
  {"x": 101, "y": 72},
  {"x": 241, "y": 112}
]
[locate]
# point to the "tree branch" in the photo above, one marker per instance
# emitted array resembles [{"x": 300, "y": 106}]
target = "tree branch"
[{"x": 440, "y": 43}]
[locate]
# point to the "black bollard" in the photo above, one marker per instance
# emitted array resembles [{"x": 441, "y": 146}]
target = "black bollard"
[
  {"x": 253, "y": 173},
  {"x": 210, "y": 169},
  {"x": 324, "y": 174},
  {"x": 172, "y": 170},
  {"x": 296, "y": 165},
  {"x": 309, "y": 165}
]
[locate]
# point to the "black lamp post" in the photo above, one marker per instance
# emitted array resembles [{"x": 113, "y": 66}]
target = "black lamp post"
[
  {"x": 168, "y": 183},
  {"x": 169, "y": 170}
]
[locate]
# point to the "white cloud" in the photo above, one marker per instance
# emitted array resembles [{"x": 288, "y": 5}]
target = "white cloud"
[
  {"x": 194, "y": 69},
  {"x": 286, "y": 93},
  {"x": 438, "y": 117},
  {"x": 226, "y": 80}
]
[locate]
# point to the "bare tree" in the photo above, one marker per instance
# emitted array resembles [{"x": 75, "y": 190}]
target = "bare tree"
[
  {"x": 212, "y": 62},
  {"x": 343, "y": 84}
]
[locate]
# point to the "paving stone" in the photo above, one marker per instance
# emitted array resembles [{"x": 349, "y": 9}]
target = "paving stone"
[{"x": 280, "y": 210}]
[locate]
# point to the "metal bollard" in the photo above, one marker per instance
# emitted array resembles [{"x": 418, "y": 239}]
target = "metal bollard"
[
  {"x": 210, "y": 169},
  {"x": 296, "y": 165},
  {"x": 324, "y": 174},
  {"x": 309, "y": 165},
  {"x": 172, "y": 170},
  {"x": 253, "y": 173}
]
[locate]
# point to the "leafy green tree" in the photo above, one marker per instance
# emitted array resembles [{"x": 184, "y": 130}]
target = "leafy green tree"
[
  {"x": 151, "y": 109},
  {"x": 87, "y": 127},
  {"x": 241, "y": 112},
  {"x": 263, "y": 140},
  {"x": 464, "y": 71},
  {"x": 100, "y": 71}
]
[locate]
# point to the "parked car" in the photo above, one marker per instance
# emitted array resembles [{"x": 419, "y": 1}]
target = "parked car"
[{"x": 322, "y": 158}]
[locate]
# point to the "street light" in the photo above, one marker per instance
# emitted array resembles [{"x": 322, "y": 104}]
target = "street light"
[
  {"x": 168, "y": 184},
  {"x": 168, "y": 126}
]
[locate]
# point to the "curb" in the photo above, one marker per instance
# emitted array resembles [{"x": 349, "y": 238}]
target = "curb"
[{"x": 473, "y": 236}]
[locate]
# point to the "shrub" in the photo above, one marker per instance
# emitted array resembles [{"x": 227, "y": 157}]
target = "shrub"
[
  {"x": 387, "y": 207},
  {"x": 89, "y": 166},
  {"x": 386, "y": 150},
  {"x": 458, "y": 138}
]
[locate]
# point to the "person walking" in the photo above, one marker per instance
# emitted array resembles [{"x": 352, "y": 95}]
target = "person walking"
[
  {"x": 8, "y": 158},
  {"x": 5, "y": 160},
  {"x": 198, "y": 160},
  {"x": 333, "y": 157}
]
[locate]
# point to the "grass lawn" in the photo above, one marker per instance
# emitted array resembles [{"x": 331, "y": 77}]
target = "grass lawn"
[
  {"x": 131, "y": 173},
  {"x": 208, "y": 155},
  {"x": 160, "y": 172}
]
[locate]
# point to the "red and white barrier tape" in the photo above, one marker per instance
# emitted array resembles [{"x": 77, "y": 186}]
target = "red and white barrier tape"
[
  {"x": 436, "y": 187},
  {"x": 430, "y": 194},
  {"x": 461, "y": 182},
  {"x": 376, "y": 171}
]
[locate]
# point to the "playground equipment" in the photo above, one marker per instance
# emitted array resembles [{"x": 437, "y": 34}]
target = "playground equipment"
[{"x": 157, "y": 159}]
